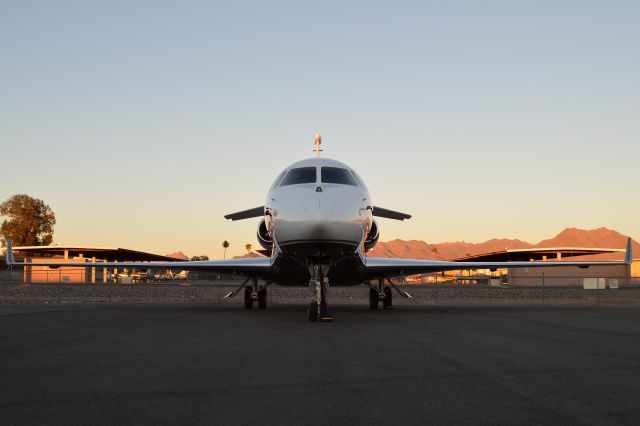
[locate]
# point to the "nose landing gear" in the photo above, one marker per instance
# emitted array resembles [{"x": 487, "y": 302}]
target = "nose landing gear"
[{"x": 318, "y": 309}]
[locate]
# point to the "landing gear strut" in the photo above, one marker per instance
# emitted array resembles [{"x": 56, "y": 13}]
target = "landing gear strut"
[{"x": 318, "y": 309}]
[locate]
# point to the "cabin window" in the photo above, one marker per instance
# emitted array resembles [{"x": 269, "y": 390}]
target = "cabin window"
[
  {"x": 300, "y": 175},
  {"x": 337, "y": 175}
]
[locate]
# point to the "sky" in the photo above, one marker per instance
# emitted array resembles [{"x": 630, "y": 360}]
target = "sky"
[{"x": 141, "y": 123}]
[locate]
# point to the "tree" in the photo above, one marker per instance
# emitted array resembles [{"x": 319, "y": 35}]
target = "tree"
[
  {"x": 247, "y": 247},
  {"x": 195, "y": 258},
  {"x": 225, "y": 244},
  {"x": 30, "y": 221}
]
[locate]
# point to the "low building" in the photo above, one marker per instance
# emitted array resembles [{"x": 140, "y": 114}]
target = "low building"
[
  {"x": 606, "y": 275},
  {"x": 609, "y": 276},
  {"x": 93, "y": 256}
]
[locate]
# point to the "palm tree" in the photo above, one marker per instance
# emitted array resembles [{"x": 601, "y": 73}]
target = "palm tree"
[
  {"x": 225, "y": 244},
  {"x": 247, "y": 247}
]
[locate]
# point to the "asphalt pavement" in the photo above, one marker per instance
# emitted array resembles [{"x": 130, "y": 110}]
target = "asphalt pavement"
[{"x": 179, "y": 363}]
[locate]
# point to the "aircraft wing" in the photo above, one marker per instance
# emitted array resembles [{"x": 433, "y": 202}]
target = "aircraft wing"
[
  {"x": 377, "y": 267},
  {"x": 254, "y": 266}
]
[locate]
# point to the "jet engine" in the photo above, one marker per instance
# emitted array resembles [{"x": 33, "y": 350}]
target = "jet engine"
[
  {"x": 372, "y": 238},
  {"x": 264, "y": 238}
]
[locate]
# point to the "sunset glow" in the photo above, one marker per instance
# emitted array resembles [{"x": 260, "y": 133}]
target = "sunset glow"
[{"x": 512, "y": 124}]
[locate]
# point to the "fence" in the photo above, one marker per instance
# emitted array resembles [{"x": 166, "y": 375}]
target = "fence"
[
  {"x": 85, "y": 276},
  {"x": 542, "y": 289}
]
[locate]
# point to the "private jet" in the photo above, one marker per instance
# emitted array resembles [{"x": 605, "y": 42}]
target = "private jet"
[{"x": 316, "y": 225}]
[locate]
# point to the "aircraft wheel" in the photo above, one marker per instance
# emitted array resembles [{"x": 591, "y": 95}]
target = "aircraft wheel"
[
  {"x": 373, "y": 298},
  {"x": 313, "y": 311},
  {"x": 248, "y": 300},
  {"x": 387, "y": 302},
  {"x": 324, "y": 309},
  {"x": 262, "y": 298}
]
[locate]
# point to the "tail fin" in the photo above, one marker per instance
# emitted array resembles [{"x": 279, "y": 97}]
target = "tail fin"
[
  {"x": 10, "y": 260},
  {"x": 628, "y": 256}
]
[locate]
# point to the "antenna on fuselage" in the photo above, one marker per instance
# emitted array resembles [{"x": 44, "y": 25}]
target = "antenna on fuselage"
[{"x": 317, "y": 140}]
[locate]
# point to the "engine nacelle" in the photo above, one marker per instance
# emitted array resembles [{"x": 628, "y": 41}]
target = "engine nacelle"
[
  {"x": 264, "y": 238},
  {"x": 372, "y": 238}
]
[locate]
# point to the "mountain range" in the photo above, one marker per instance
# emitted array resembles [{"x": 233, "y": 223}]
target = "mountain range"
[
  {"x": 178, "y": 255},
  {"x": 418, "y": 249},
  {"x": 570, "y": 237}
]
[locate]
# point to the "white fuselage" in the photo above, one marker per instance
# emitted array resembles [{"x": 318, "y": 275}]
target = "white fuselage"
[{"x": 318, "y": 209}]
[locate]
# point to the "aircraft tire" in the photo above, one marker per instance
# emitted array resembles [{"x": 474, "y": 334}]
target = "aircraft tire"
[
  {"x": 248, "y": 301},
  {"x": 312, "y": 311},
  {"x": 387, "y": 302},
  {"x": 373, "y": 298},
  {"x": 324, "y": 309},
  {"x": 262, "y": 299}
]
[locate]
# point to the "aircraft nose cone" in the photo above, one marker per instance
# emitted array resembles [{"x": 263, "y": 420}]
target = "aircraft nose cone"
[{"x": 319, "y": 231}]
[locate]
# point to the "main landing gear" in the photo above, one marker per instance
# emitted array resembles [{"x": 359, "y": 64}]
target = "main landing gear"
[
  {"x": 384, "y": 294},
  {"x": 381, "y": 294},
  {"x": 254, "y": 293},
  {"x": 318, "y": 309}
]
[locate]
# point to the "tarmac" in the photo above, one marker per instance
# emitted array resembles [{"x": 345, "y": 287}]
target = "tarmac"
[{"x": 179, "y": 363}]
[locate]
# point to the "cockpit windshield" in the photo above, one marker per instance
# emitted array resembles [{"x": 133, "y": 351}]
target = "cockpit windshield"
[
  {"x": 299, "y": 175},
  {"x": 337, "y": 175},
  {"x": 278, "y": 179}
]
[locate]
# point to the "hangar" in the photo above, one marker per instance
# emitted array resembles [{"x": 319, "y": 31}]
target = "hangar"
[
  {"x": 93, "y": 273},
  {"x": 546, "y": 253},
  {"x": 605, "y": 276}
]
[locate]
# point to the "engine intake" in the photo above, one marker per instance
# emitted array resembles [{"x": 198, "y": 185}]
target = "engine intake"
[
  {"x": 372, "y": 238},
  {"x": 264, "y": 238}
]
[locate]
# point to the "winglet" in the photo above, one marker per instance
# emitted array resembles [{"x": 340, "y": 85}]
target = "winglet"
[
  {"x": 10, "y": 260},
  {"x": 628, "y": 256}
]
